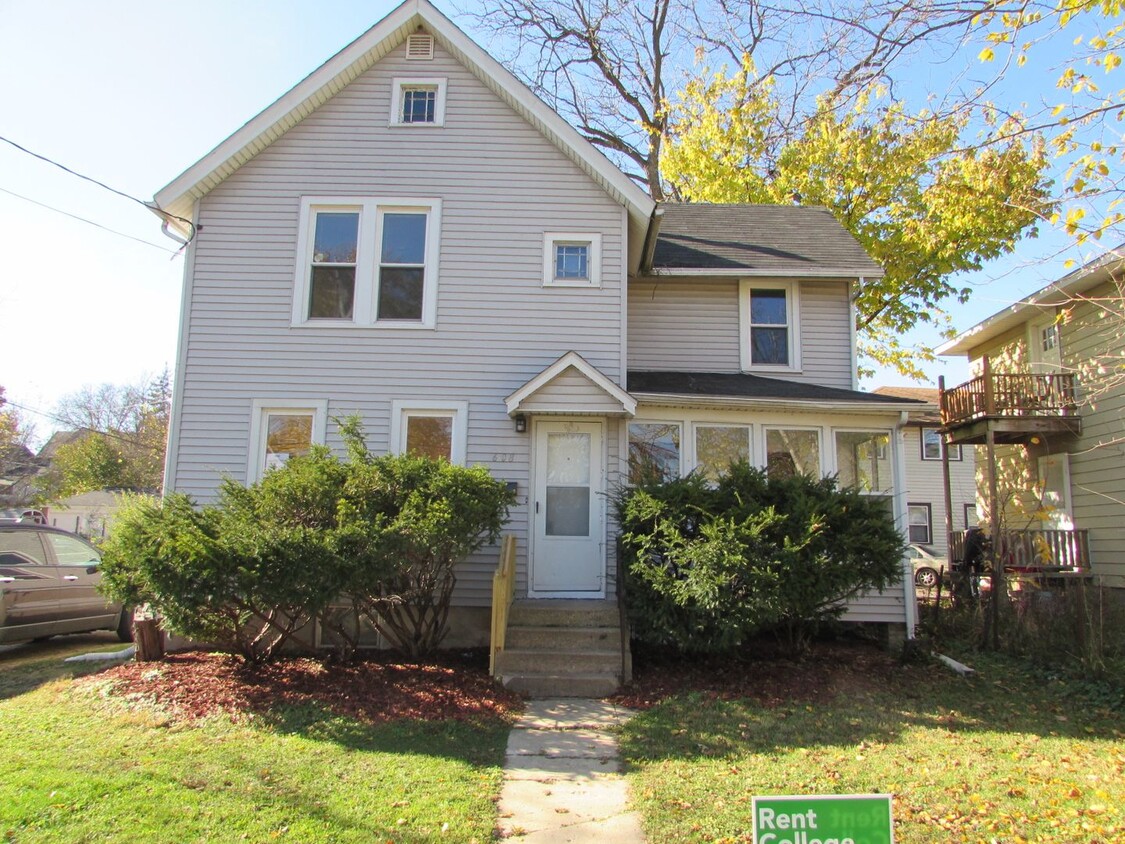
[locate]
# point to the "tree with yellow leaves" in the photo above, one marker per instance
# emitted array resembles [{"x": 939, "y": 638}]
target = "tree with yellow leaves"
[{"x": 922, "y": 201}]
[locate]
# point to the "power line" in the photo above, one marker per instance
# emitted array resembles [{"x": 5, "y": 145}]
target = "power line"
[
  {"x": 151, "y": 206},
  {"x": 113, "y": 435},
  {"x": 84, "y": 220}
]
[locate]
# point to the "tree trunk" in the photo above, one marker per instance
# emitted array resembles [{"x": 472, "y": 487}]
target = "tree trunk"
[{"x": 149, "y": 640}]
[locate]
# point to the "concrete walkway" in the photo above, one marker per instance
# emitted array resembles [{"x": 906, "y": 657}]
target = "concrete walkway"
[{"x": 562, "y": 781}]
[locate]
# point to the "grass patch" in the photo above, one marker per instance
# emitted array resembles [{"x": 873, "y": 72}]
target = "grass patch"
[
  {"x": 1004, "y": 756},
  {"x": 78, "y": 766}
]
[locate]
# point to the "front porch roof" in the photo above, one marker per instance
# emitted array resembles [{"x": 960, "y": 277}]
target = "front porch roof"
[
  {"x": 744, "y": 390},
  {"x": 571, "y": 385}
]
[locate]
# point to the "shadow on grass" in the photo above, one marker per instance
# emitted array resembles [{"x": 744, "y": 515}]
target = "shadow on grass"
[
  {"x": 839, "y": 710},
  {"x": 479, "y": 742},
  {"x": 27, "y": 666}
]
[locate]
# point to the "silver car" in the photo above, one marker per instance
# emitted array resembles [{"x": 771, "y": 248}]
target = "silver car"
[{"x": 48, "y": 586}]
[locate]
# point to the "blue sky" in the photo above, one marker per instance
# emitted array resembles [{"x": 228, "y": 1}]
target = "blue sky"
[{"x": 132, "y": 93}]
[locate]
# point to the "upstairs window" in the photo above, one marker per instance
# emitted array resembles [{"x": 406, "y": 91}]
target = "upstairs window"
[
  {"x": 418, "y": 102},
  {"x": 768, "y": 318},
  {"x": 332, "y": 281},
  {"x": 931, "y": 446},
  {"x": 367, "y": 262},
  {"x": 572, "y": 259}
]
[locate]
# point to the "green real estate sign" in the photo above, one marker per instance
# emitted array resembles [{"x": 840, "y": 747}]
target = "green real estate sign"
[{"x": 830, "y": 819}]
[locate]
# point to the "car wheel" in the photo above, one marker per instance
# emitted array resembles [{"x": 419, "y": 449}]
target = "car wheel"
[
  {"x": 926, "y": 578},
  {"x": 125, "y": 625}
]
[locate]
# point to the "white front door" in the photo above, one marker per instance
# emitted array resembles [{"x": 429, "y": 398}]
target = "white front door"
[{"x": 567, "y": 511}]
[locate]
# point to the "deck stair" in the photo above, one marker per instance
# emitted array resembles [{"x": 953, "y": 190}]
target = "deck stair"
[{"x": 563, "y": 648}]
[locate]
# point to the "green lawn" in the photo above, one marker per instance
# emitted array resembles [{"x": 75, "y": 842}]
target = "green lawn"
[
  {"x": 77, "y": 766},
  {"x": 1003, "y": 757}
]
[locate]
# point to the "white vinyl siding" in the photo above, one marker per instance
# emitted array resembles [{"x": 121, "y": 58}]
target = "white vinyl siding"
[
  {"x": 502, "y": 185},
  {"x": 692, "y": 325},
  {"x": 570, "y": 392}
]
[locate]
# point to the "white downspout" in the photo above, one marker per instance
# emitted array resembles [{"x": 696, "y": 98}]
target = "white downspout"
[{"x": 899, "y": 473}]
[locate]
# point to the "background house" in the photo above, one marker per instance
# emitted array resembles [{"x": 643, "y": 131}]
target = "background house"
[
  {"x": 1050, "y": 386},
  {"x": 925, "y": 483}
]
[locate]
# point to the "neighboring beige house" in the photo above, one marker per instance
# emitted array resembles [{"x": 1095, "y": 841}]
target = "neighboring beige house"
[
  {"x": 925, "y": 479},
  {"x": 89, "y": 513},
  {"x": 411, "y": 235},
  {"x": 1050, "y": 387}
]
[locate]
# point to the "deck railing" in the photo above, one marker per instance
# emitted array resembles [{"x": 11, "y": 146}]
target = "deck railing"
[
  {"x": 1004, "y": 394},
  {"x": 503, "y": 593},
  {"x": 1042, "y": 551}
]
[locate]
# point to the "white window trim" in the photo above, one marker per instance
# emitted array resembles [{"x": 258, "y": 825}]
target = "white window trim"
[
  {"x": 399, "y": 83},
  {"x": 368, "y": 248},
  {"x": 261, "y": 408},
  {"x": 695, "y": 426},
  {"x": 834, "y": 460},
  {"x": 821, "y": 449},
  {"x": 793, "y": 310},
  {"x": 591, "y": 239},
  {"x": 955, "y": 455},
  {"x": 929, "y": 522},
  {"x": 401, "y": 409},
  {"x": 680, "y": 424}
]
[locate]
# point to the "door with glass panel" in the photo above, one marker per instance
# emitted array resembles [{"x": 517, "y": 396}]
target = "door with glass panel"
[{"x": 568, "y": 537}]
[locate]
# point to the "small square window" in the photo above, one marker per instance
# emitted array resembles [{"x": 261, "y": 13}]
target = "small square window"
[
  {"x": 418, "y": 105},
  {"x": 571, "y": 259},
  {"x": 418, "y": 101}
]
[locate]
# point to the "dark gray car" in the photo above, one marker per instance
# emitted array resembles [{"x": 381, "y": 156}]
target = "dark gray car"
[{"x": 48, "y": 586}]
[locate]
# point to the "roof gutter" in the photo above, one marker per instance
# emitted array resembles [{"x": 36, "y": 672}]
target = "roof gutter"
[{"x": 651, "y": 237}]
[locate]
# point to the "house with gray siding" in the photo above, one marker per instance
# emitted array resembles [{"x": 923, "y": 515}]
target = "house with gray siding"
[
  {"x": 1047, "y": 384},
  {"x": 412, "y": 236}
]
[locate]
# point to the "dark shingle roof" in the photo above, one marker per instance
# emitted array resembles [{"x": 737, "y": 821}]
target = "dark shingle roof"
[
  {"x": 740, "y": 385},
  {"x": 758, "y": 239}
]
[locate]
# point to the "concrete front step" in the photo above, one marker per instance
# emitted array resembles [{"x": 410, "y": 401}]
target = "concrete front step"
[
  {"x": 563, "y": 685},
  {"x": 552, "y": 661},
  {"x": 564, "y": 638},
  {"x": 564, "y": 613}
]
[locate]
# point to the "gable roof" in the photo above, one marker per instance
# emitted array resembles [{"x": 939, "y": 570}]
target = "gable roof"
[
  {"x": 624, "y": 404},
  {"x": 757, "y": 240},
  {"x": 326, "y": 81},
  {"x": 930, "y": 395},
  {"x": 758, "y": 389},
  {"x": 1045, "y": 299}
]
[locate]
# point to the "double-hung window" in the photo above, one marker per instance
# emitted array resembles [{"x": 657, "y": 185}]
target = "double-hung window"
[
  {"x": 931, "y": 446},
  {"x": 768, "y": 320},
  {"x": 367, "y": 261},
  {"x": 920, "y": 524}
]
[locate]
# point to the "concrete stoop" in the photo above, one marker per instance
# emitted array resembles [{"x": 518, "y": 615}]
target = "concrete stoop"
[
  {"x": 562, "y": 780},
  {"x": 563, "y": 648}
]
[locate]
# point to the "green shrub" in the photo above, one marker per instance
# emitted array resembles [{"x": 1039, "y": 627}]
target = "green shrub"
[
  {"x": 709, "y": 566},
  {"x": 379, "y": 533}
]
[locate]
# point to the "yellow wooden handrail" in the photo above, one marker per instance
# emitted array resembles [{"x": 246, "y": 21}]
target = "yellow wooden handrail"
[{"x": 503, "y": 592}]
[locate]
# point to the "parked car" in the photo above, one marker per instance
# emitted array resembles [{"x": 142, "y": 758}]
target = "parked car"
[
  {"x": 927, "y": 566},
  {"x": 48, "y": 586}
]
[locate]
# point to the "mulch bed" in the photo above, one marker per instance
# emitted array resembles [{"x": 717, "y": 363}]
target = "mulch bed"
[
  {"x": 762, "y": 674},
  {"x": 381, "y": 687}
]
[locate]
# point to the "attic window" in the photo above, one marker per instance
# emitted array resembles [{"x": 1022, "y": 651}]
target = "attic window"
[
  {"x": 418, "y": 101},
  {"x": 419, "y": 47}
]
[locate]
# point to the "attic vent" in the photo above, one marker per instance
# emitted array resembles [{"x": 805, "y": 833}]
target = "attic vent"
[{"x": 420, "y": 47}]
